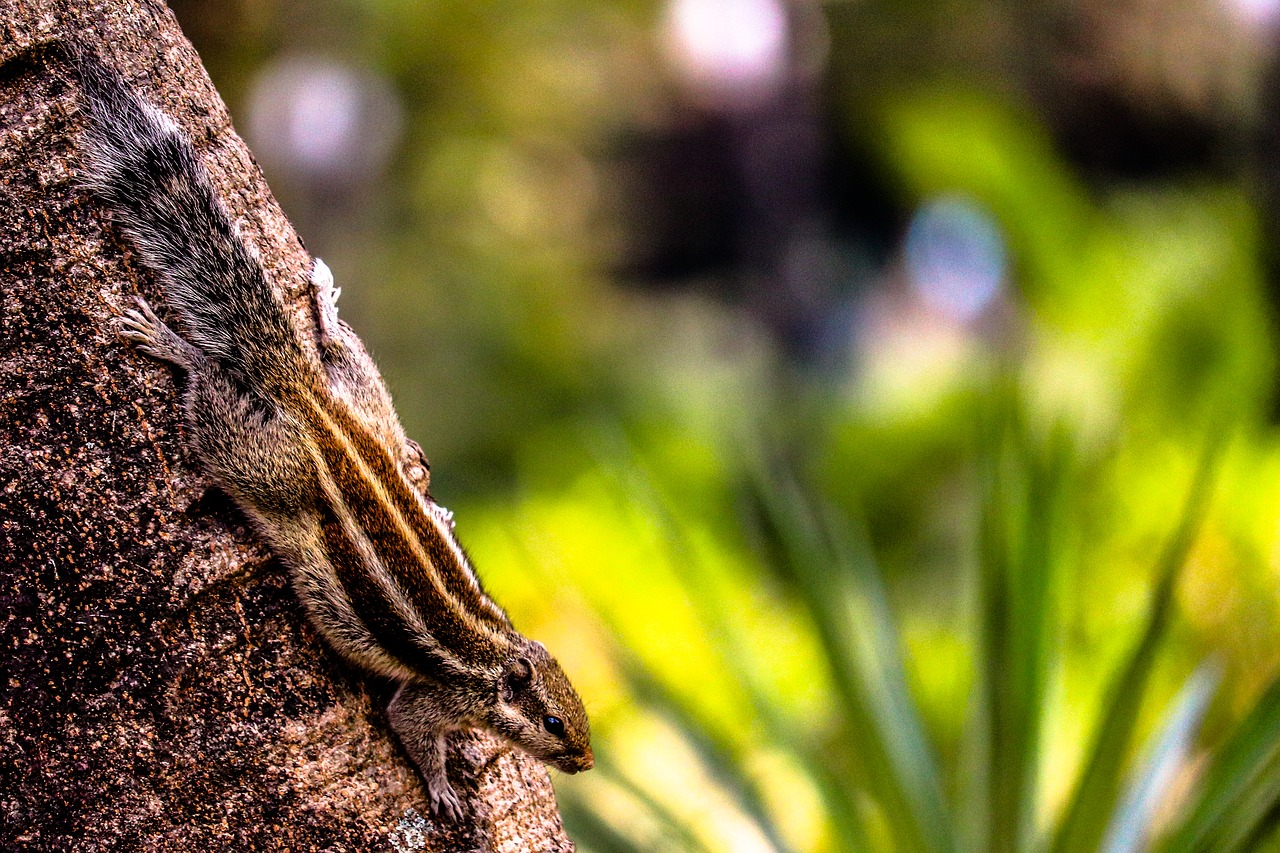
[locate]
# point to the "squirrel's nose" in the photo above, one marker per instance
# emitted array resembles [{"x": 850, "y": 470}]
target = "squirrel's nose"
[{"x": 572, "y": 764}]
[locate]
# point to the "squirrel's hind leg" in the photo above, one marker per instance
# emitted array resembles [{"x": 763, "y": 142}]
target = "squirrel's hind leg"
[
  {"x": 250, "y": 448},
  {"x": 141, "y": 327}
]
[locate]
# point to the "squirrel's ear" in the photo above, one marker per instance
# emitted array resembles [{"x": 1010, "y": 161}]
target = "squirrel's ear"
[
  {"x": 518, "y": 674},
  {"x": 521, "y": 671}
]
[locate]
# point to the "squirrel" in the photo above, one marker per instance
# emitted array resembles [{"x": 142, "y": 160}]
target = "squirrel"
[{"x": 299, "y": 430}]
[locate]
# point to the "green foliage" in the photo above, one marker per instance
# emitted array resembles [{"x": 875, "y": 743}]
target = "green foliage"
[
  {"x": 1026, "y": 639},
  {"x": 870, "y": 760},
  {"x": 968, "y": 615},
  {"x": 1085, "y": 820}
]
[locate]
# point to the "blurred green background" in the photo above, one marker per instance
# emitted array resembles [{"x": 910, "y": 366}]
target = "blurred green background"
[{"x": 872, "y": 404}]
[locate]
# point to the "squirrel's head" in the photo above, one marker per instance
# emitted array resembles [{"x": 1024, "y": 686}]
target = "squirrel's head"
[{"x": 539, "y": 711}]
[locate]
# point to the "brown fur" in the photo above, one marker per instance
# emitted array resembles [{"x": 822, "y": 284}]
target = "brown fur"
[{"x": 312, "y": 450}]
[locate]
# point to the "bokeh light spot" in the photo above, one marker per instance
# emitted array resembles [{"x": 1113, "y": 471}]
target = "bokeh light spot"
[
  {"x": 728, "y": 52},
  {"x": 955, "y": 257},
  {"x": 323, "y": 121}
]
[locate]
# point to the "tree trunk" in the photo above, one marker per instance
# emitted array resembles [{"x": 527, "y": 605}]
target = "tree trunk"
[{"x": 160, "y": 688}]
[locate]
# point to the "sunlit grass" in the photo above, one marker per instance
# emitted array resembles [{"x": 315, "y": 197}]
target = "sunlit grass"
[
  {"x": 913, "y": 637},
  {"x": 751, "y": 692}
]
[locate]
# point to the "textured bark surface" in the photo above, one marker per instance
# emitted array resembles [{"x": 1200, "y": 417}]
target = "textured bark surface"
[{"x": 159, "y": 687}]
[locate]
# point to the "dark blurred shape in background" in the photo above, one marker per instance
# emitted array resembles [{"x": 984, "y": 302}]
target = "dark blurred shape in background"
[{"x": 742, "y": 188}]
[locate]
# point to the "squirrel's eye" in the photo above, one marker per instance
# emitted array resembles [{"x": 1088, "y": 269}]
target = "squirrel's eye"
[{"x": 554, "y": 725}]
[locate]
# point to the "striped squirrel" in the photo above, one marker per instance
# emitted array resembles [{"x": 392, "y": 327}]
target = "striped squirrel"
[{"x": 299, "y": 430}]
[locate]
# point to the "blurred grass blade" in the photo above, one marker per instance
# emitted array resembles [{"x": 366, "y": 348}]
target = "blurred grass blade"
[
  {"x": 834, "y": 791},
  {"x": 840, "y": 807},
  {"x": 840, "y": 587},
  {"x": 590, "y": 831},
  {"x": 672, "y": 825},
  {"x": 719, "y": 755},
  {"x": 972, "y": 785},
  {"x": 1018, "y": 562},
  {"x": 867, "y": 598},
  {"x": 1256, "y": 816},
  {"x": 1087, "y": 813},
  {"x": 1130, "y": 828},
  {"x": 1240, "y": 793},
  {"x": 841, "y": 810}
]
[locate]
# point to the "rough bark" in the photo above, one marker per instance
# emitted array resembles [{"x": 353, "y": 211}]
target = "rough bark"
[{"x": 159, "y": 686}]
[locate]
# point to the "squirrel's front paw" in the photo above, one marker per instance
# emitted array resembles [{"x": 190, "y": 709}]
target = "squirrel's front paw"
[{"x": 444, "y": 800}]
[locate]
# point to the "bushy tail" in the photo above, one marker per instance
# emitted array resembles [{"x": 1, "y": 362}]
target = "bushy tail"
[{"x": 142, "y": 166}]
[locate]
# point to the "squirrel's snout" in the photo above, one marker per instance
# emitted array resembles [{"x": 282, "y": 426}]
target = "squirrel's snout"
[{"x": 576, "y": 763}]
